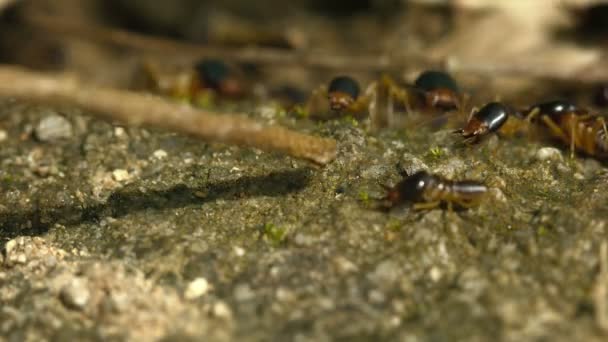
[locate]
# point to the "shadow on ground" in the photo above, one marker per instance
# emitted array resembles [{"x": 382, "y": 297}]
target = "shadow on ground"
[{"x": 133, "y": 199}]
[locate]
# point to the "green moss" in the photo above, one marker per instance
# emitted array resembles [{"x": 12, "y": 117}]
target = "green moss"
[
  {"x": 435, "y": 152},
  {"x": 394, "y": 225},
  {"x": 274, "y": 234},
  {"x": 350, "y": 120},
  {"x": 364, "y": 196},
  {"x": 205, "y": 99},
  {"x": 299, "y": 112}
]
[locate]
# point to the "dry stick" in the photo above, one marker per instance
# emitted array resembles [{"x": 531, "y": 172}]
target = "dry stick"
[{"x": 140, "y": 109}]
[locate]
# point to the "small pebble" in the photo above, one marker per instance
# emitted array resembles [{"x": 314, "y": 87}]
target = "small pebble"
[
  {"x": 548, "y": 153},
  {"x": 344, "y": 265},
  {"x": 75, "y": 295},
  {"x": 498, "y": 195},
  {"x": 119, "y": 132},
  {"x": 197, "y": 288},
  {"x": 221, "y": 310},
  {"x": 435, "y": 274},
  {"x": 10, "y": 246},
  {"x": 52, "y": 128},
  {"x": 285, "y": 295},
  {"x": 3, "y": 135},
  {"x": 239, "y": 251},
  {"x": 160, "y": 154},
  {"x": 412, "y": 164},
  {"x": 120, "y": 175},
  {"x": 243, "y": 292}
]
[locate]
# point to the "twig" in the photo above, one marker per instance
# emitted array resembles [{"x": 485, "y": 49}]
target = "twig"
[{"x": 140, "y": 109}]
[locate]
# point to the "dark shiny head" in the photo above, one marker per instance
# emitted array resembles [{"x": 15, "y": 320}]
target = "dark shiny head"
[
  {"x": 554, "y": 108},
  {"x": 212, "y": 72},
  {"x": 493, "y": 115},
  {"x": 488, "y": 119},
  {"x": 411, "y": 189},
  {"x": 433, "y": 80},
  {"x": 342, "y": 92}
]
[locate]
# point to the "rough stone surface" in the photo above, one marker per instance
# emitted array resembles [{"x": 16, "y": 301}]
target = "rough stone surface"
[{"x": 291, "y": 251}]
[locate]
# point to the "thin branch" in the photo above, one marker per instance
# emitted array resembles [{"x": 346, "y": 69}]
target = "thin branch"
[{"x": 141, "y": 109}]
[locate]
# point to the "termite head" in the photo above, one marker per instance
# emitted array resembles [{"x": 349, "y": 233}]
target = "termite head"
[
  {"x": 342, "y": 92},
  {"x": 411, "y": 189},
  {"x": 216, "y": 75},
  {"x": 440, "y": 89},
  {"x": 485, "y": 121},
  {"x": 443, "y": 99}
]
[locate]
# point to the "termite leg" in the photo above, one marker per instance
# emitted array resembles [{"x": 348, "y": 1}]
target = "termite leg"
[
  {"x": 474, "y": 110},
  {"x": 532, "y": 114},
  {"x": 467, "y": 204},
  {"x": 426, "y": 206},
  {"x": 573, "y": 138},
  {"x": 397, "y": 93},
  {"x": 360, "y": 105},
  {"x": 554, "y": 127},
  {"x": 463, "y": 105},
  {"x": 603, "y": 122}
]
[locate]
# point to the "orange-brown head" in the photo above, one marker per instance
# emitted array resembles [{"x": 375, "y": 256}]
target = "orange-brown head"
[
  {"x": 440, "y": 89},
  {"x": 342, "y": 92},
  {"x": 443, "y": 99}
]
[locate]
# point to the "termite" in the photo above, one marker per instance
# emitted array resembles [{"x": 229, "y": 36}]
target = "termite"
[
  {"x": 578, "y": 128},
  {"x": 426, "y": 191}
]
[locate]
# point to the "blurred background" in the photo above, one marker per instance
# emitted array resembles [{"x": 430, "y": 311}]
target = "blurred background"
[{"x": 511, "y": 47}]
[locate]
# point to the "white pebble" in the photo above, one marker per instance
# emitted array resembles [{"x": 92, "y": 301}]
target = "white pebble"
[
  {"x": 120, "y": 175},
  {"x": 75, "y": 294},
  {"x": 221, "y": 310},
  {"x": 53, "y": 127},
  {"x": 548, "y": 153},
  {"x": 119, "y": 132},
  {"x": 435, "y": 274},
  {"x": 160, "y": 154},
  {"x": 10, "y": 246},
  {"x": 498, "y": 195},
  {"x": 239, "y": 251},
  {"x": 197, "y": 288}
]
